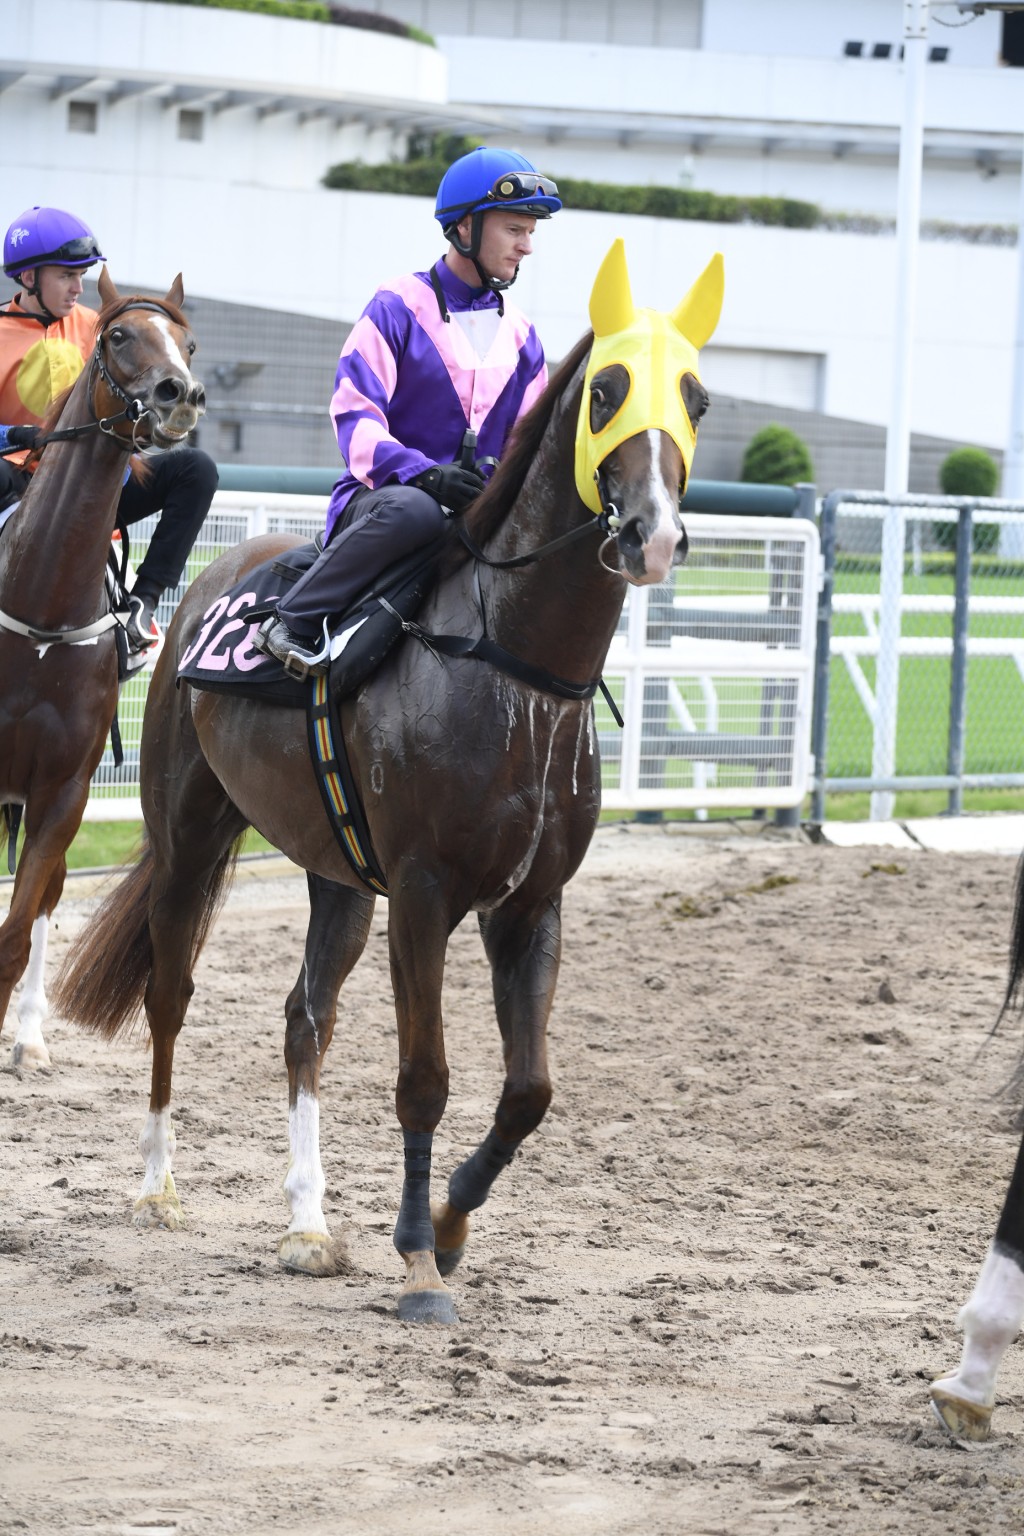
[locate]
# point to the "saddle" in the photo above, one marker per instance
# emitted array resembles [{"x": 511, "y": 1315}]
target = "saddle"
[{"x": 222, "y": 658}]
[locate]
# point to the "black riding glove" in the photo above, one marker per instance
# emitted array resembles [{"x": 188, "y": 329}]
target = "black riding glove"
[
  {"x": 451, "y": 485},
  {"x": 22, "y": 437}
]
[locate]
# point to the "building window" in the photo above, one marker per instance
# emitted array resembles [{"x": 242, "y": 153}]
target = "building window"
[
  {"x": 82, "y": 116},
  {"x": 229, "y": 436},
  {"x": 190, "y": 124}
]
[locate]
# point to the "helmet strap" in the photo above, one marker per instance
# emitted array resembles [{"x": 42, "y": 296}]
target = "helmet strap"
[
  {"x": 34, "y": 291},
  {"x": 472, "y": 253}
]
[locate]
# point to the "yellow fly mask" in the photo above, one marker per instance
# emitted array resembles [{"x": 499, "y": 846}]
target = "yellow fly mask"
[{"x": 656, "y": 350}]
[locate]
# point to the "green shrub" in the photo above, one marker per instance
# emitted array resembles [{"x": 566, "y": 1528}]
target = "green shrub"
[
  {"x": 419, "y": 175},
  {"x": 776, "y": 456},
  {"x": 315, "y": 10},
  {"x": 968, "y": 472}
]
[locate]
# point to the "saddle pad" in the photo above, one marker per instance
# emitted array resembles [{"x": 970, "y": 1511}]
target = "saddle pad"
[{"x": 222, "y": 657}]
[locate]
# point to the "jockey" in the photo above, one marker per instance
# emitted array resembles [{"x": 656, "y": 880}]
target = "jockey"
[
  {"x": 436, "y": 357},
  {"x": 46, "y": 338}
]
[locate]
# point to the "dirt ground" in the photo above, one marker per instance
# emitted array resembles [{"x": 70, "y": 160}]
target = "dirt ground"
[{"x": 707, "y": 1297}]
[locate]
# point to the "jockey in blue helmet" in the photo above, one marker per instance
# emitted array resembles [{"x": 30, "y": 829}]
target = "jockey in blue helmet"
[
  {"x": 482, "y": 181},
  {"x": 432, "y": 379}
]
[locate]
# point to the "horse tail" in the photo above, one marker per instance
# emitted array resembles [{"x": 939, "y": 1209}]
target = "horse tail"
[{"x": 102, "y": 983}]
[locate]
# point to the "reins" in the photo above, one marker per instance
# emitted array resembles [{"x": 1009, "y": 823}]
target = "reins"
[{"x": 135, "y": 409}]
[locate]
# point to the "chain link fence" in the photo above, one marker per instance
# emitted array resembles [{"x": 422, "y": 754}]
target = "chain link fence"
[{"x": 925, "y": 684}]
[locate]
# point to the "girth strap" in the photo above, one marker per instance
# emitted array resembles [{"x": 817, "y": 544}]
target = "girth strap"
[{"x": 61, "y": 636}]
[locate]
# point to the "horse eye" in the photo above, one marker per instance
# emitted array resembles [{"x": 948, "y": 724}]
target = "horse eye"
[
  {"x": 597, "y": 394},
  {"x": 116, "y": 334},
  {"x": 191, "y": 348}
]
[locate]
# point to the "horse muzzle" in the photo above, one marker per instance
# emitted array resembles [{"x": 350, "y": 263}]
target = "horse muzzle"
[
  {"x": 174, "y": 409},
  {"x": 647, "y": 549}
]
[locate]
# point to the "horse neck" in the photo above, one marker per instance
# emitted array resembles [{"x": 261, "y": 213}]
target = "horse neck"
[
  {"x": 53, "y": 554},
  {"x": 559, "y": 613}
]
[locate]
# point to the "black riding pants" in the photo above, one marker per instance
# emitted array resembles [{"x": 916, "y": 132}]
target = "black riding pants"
[
  {"x": 180, "y": 486},
  {"x": 376, "y": 529}
]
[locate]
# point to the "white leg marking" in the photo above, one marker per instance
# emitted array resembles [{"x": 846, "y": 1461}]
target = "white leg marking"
[
  {"x": 990, "y": 1321},
  {"x": 157, "y": 1147},
  {"x": 32, "y": 1004},
  {"x": 304, "y": 1183}
]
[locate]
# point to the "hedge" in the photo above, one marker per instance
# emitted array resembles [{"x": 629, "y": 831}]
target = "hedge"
[
  {"x": 315, "y": 10},
  {"x": 420, "y": 178}
]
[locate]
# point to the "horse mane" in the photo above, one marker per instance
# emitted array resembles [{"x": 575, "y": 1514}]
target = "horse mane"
[
  {"x": 492, "y": 507},
  {"x": 108, "y": 313}
]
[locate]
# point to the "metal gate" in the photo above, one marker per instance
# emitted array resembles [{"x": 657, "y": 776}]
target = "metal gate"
[{"x": 712, "y": 670}]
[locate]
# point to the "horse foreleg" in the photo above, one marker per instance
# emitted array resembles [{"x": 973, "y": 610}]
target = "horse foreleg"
[
  {"x": 524, "y": 949},
  {"x": 418, "y": 942},
  {"x": 23, "y": 936},
  {"x": 339, "y": 926},
  {"x": 963, "y": 1402}
]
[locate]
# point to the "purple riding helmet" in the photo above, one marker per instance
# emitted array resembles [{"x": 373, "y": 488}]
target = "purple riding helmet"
[
  {"x": 481, "y": 181},
  {"x": 43, "y": 237}
]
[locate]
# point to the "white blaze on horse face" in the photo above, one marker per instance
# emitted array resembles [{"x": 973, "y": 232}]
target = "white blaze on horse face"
[
  {"x": 163, "y": 325},
  {"x": 990, "y": 1321},
  {"x": 156, "y": 1144},
  {"x": 304, "y": 1183},
  {"x": 666, "y": 533}
]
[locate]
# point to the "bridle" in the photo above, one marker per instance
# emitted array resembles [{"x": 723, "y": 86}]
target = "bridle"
[{"x": 135, "y": 409}]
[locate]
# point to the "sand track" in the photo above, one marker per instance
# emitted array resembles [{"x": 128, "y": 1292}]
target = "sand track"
[{"x": 707, "y": 1297}]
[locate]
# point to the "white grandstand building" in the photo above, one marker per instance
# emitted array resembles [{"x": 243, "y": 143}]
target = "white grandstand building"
[{"x": 196, "y": 138}]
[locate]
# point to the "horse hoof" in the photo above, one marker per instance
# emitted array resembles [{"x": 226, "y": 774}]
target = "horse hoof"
[
  {"x": 958, "y": 1417},
  {"x": 159, "y": 1212},
  {"x": 30, "y": 1055},
  {"x": 427, "y": 1307},
  {"x": 448, "y": 1259},
  {"x": 307, "y": 1253}
]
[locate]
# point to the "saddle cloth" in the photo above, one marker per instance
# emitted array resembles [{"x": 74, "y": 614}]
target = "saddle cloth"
[{"x": 222, "y": 657}]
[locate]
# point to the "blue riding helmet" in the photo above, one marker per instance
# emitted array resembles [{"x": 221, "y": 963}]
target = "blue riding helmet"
[
  {"x": 486, "y": 179},
  {"x": 43, "y": 237}
]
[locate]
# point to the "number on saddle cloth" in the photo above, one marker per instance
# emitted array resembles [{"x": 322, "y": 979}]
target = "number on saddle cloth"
[{"x": 222, "y": 658}]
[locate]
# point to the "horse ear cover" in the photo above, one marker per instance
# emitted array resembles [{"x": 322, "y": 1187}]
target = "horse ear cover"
[{"x": 656, "y": 350}]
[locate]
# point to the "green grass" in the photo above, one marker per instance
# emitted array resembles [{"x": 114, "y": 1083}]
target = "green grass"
[{"x": 100, "y": 844}]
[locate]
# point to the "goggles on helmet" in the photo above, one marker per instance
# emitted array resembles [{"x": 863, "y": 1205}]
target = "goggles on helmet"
[
  {"x": 512, "y": 187},
  {"x": 83, "y": 248},
  {"x": 517, "y": 184}
]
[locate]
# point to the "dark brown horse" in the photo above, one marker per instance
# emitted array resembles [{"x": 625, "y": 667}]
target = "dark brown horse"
[
  {"x": 58, "y": 662},
  {"x": 481, "y": 791},
  {"x": 992, "y": 1316}
]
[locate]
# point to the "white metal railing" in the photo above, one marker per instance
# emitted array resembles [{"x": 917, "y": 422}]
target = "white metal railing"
[{"x": 712, "y": 670}]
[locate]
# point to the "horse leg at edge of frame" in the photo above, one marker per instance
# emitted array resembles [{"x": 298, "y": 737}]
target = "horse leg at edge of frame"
[
  {"x": 963, "y": 1401},
  {"x": 418, "y": 937},
  {"x": 524, "y": 951},
  {"x": 339, "y": 926},
  {"x": 182, "y": 900}
]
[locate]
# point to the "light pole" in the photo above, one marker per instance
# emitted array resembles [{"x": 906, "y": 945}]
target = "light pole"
[{"x": 897, "y": 437}]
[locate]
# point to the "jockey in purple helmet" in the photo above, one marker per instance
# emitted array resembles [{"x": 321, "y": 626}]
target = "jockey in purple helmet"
[
  {"x": 435, "y": 358},
  {"x": 46, "y": 339}
]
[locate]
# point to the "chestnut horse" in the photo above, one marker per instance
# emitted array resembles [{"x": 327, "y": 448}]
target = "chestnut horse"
[
  {"x": 58, "y": 660},
  {"x": 481, "y": 790}
]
